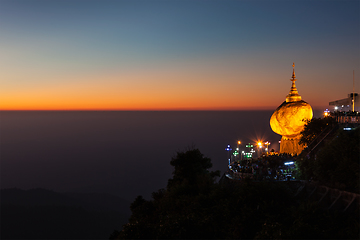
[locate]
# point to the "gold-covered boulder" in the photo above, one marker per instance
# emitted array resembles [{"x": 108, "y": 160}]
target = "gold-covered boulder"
[{"x": 289, "y": 118}]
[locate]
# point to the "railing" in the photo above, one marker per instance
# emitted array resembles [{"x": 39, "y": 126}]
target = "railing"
[
  {"x": 348, "y": 119},
  {"x": 319, "y": 139},
  {"x": 238, "y": 175},
  {"x": 327, "y": 198},
  {"x": 330, "y": 198}
]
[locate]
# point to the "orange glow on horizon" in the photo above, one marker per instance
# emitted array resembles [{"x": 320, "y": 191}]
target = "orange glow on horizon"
[
  {"x": 125, "y": 104},
  {"x": 129, "y": 108},
  {"x": 128, "y": 96},
  {"x": 193, "y": 88}
]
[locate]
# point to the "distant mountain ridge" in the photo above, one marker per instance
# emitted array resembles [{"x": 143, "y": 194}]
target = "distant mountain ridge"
[
  {"x": 45, "y": 214},
  {"x": 40, "y": 196}
]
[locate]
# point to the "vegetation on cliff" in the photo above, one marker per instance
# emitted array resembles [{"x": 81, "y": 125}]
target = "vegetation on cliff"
[
  {"x": 313, "y": 128},
  {"x": 194, "y": 206},
  {"x": 337, "y": 163}
]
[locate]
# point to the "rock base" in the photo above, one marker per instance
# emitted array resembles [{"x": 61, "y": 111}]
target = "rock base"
[{"x": 291, "y": 145}]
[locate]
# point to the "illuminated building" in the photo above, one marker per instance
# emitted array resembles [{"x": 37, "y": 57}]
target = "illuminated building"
[
  {"x": 346, "y": 103},
  {"x": 288, "y": 120}
]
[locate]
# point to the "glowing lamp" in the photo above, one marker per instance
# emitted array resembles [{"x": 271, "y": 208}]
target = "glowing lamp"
[
  {"x": 228, "y": 148},
  {"x": 326, "y": 113},
  {"x": 288, "y": 163}
]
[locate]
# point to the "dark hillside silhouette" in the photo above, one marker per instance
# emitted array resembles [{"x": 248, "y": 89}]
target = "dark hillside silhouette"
[
  {"x": 44, "y": 214},
  {"x": 193, "y": 206},
  {"x": 336, "y": 164}
]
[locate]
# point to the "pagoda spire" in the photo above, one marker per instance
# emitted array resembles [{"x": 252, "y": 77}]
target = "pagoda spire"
[
  {"x": 293, "y": 95},
  {"x": 293, "y": 75}
]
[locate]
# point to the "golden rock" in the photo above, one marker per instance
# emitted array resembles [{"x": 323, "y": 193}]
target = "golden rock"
[{"x": 289, "y": 120}]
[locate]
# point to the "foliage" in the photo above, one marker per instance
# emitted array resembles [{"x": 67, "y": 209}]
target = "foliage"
[
  {"x": 193, "y": 206},
  {"x": 307, "y": 221},
  {"x": 191, "y": 169},
  {"x": 313, "y": 128},
  {"x": 220, "y": 213},
  {"x": 337, "y": 163}
]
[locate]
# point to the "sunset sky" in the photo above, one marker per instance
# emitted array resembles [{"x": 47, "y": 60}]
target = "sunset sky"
[{"x": 175, "y": 55}]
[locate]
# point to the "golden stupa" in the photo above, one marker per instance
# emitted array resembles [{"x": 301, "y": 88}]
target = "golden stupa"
[{"x": 289, "y": 118}]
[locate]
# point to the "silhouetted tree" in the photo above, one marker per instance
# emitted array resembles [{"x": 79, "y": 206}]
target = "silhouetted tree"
[
  {"x": 191, "y": 170},
  {"x": 174, "y": 212},
  {"x": 313, "y": 128}
]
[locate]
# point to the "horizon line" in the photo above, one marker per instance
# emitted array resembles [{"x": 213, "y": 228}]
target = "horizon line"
[{"x": 148, "y": 110}]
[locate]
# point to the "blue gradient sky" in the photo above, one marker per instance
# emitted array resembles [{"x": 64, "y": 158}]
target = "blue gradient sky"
[{"x": 176, "y": 54}]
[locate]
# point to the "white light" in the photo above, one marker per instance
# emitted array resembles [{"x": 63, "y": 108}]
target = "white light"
[
  {"x": 288, "y": 163},
  {"x": 347, "y": 129}
]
